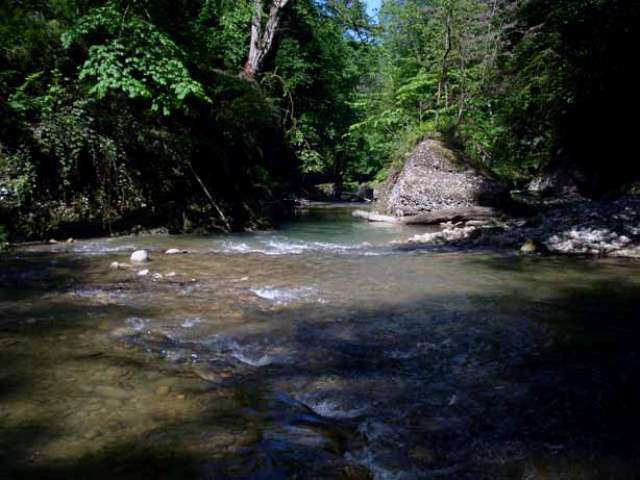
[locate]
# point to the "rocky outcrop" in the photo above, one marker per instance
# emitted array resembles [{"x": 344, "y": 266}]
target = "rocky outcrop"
[{"x": 435, "y": 177}]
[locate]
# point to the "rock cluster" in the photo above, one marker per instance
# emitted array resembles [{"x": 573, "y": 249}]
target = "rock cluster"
[
  {"x": 584, "y": 227},
  {"x": 139, "y": 259}
]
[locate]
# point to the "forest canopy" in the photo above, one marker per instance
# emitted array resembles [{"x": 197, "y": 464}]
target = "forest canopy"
[{"x": 212, "y": 113}]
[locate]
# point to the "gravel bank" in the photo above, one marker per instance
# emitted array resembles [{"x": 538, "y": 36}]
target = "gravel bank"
[{"x": 604, "y": 228}]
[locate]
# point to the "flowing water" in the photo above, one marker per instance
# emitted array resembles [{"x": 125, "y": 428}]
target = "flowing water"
[{"x": 318, "y": 350}]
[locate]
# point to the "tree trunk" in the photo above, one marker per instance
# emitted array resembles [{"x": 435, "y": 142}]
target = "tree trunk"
[
  {"x": 430, "y": 218},
  {"x": 375, "y": 217},
  {"x": 451, "y": 215},
  {"x": 262, "y": 36}
]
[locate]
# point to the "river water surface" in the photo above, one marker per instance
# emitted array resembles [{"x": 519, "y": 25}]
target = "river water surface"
[{"x": 318, "y": 350}]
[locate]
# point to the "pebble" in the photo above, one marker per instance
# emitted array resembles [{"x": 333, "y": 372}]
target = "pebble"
[
  {"x": 143, "y": 273},
  {"x": 174, "y": 251},
  {"x": 170, "y": 274},
  {"x": 140, "y": 256}
]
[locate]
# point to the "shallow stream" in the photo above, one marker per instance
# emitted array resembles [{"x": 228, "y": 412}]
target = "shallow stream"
[{"x": 318, "y": 350}]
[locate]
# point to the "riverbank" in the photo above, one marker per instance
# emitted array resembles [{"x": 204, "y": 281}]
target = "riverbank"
[{"x": 574, "y": 227}]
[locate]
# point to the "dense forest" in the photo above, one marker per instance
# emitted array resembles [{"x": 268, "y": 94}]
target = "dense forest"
[{"x": 213, "y": 114}]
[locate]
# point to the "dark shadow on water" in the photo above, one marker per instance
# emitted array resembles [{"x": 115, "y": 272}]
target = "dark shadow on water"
[{"x": 560, "y": 398}]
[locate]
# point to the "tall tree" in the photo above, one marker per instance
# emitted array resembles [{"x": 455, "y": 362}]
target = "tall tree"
[{"x": 262, "y": 36}]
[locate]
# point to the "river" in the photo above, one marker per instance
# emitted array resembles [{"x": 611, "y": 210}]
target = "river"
[{"x": 317, "y": 350}]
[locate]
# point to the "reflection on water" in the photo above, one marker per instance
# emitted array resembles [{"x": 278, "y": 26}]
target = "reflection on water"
[{"x": 316, "y": 351}]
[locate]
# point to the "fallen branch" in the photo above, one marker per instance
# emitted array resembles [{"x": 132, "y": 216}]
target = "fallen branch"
[
  {"x": 450, "y": 215},
  {"x": 375, "y": 217},
  {"x": 429, "y": 218},
  {"x": 227, "y": 227}
]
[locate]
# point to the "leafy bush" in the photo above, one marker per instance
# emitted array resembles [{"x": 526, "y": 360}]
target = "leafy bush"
[{"x": 116, "y": 125}]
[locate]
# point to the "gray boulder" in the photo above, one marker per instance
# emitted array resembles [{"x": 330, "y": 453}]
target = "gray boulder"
[{"x": 435, "y": 177}]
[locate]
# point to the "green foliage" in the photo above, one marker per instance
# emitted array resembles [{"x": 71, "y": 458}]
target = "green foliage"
[
  {"x": 319, "y": 68},
  {"x": 133, "y": 56},
  {"x": 114, "y": 110},
  {"x": 113, "y": 121},
  {"x": 17, "y": 177},
  {"x": 221, "y": 29},
  {"x": 428, "y": 64},
  {"x": 510, "y": 83}
]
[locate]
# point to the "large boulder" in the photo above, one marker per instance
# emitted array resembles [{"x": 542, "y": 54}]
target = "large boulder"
[{"x": 436, "y": 177}]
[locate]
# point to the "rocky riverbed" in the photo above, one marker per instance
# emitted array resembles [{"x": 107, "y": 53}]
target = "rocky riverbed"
[{"x": 578, "y": 227}]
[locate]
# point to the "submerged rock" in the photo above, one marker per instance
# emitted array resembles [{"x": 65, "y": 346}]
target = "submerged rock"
[
  {"x": 435, "y": 177},
  {"x": 174, "y": 251},
  {"x": 530, "y": 246},
  {"x": 143, "y": 273},
  {"x": 119, "y": 266},
  {"x": 140, "y": 256}
]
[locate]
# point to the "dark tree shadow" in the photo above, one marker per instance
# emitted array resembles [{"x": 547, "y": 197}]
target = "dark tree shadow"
[{"x": 501, "y": 387}]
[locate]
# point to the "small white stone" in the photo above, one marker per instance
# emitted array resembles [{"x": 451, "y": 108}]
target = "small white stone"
[
  {"x": 157, "y": 276},
  {"x": 143, "y": 273},
  {"x": 173, "y": 251},
  {"x": 170, "y": 274},
  {"x": 140, "y": 256},
  {"x": 529, "y": 246},
  {"x": 114, "y": 265}
]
